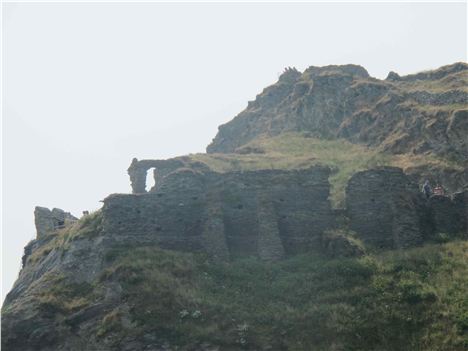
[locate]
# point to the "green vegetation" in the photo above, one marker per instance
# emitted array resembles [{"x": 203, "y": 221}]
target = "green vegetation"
[
  {"x": 408, "y": 300},
  {"x": 458, "y": 80},
  {"x": 297, "y": 150},
  {"x": 62, "y": 296},
  {"x": 88, "y": 226}
]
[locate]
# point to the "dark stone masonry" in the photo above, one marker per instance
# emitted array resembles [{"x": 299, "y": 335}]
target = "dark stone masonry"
[
  {"x": 449, "y": 214},
  {"x": 385, "y": 208},
  {"x": 272, "y": 213},
  {"x": 268, "y": 213}
]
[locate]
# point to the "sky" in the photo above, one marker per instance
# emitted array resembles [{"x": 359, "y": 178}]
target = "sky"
[{"x": 88, "y": 86}]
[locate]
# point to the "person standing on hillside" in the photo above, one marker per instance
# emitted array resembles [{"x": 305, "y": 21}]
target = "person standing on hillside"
[{"x": 427, "y": 189}]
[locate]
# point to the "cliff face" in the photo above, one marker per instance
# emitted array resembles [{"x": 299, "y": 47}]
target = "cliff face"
[
  {"x": 76, "y": 292},
  {"x": 421, "y": 113},
  {"x": 246, "y": 250}
]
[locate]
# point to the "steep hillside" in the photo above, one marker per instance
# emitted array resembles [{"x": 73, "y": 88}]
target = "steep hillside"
[
  {"x": 423, "y": 113},
  {"x": 302, "y": 228},
  {"x": 139, "y": 298}
]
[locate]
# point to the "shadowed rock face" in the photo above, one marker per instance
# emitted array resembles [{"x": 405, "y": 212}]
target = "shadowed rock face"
[{"x": 263, "y": 213}]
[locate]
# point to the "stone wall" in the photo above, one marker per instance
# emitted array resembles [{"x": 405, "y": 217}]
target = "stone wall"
[
  {"x": 449, "y": 214},
  {"x": 268, "y": 213},
  {"x": 385, "y": 208},
  {"x": 272, "y": 213},
  {"x": 138, "y": 171},
  {"x": 47, "y": 221}
]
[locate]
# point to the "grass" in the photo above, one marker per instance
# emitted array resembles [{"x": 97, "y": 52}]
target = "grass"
[
  {"x": 88, "y": 226},
  {"x": 458, "y": 81},
  {"x": 392, "y": 300},
  {"x": 410, "y": 300},
  {"x": 296, "y": 151},
  {"x": 62, "y": 296}
]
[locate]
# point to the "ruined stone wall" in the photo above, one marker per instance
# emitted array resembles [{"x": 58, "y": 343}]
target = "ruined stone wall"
[
  {"x": 138, "y": 171},
  {"x": 274, "y": 213},
  {"x": 461, "y": 204},
  {"x": 47, "y": 221},
  {"x": 385, "y": 208},
  {"x": 449, "y": 214},
  {"x": 268, "y": 213}
]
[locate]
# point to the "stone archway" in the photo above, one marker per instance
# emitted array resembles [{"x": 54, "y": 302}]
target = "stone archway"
[{"x": 138, "y": 172}]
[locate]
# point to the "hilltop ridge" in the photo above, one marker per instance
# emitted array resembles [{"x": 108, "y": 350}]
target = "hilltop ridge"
[{"x": 421, "y": 113}]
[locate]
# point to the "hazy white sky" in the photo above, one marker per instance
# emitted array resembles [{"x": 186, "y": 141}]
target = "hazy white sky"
[{"x": 87, "y": 87}]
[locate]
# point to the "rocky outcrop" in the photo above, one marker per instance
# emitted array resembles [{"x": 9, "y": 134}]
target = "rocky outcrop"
[
  {"x": 68, "y": 290},
  {"x": 457, "y": 132},
  {"x": 269, "y": 214},
  {"x": 436, "y": 74},
  {"x": 47, "y": 221},
  {"x": 409, "y": 114}
]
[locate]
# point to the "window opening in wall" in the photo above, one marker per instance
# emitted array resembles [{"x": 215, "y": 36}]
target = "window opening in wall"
[{"x": 150, "y": 181}]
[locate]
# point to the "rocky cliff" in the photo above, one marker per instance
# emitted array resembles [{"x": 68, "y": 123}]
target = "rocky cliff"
[
  {"x": 70, "y": 284},
  {"x": 303, "y": 228},
  {"x": 420, "y": 113}
]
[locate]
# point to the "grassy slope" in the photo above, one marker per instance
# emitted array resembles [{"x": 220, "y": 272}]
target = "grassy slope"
[
  {"x": 412, "y": 300},
  {"x": 295, "y": 150},
  {"x": 394, "y": 300}
]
